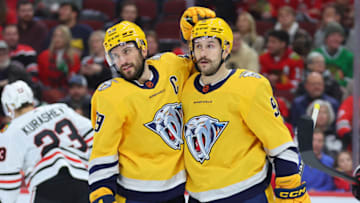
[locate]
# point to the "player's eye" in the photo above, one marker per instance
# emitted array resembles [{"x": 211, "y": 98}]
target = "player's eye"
[
  {"x": 210, "y": 46},
  {"x": 126, "y": 51}
]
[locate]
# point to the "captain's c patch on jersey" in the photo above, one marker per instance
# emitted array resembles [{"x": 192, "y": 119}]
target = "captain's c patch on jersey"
[
  {"x": 201, "y": 133},
  {"x": 168, "y": 123}
]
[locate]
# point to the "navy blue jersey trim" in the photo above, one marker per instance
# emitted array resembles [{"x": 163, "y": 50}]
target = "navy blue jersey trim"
[
  {"x": 208, "y": 88},
  {"x": 149, "y": 84},
  {"x": 285, "y": 168},
  {"x": 102, "y": 166},
  {"x": 108, "y": 183},
  {"x": 246, "y": 194}
]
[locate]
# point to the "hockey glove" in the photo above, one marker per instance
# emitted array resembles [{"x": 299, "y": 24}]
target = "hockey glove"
[
  {"x": 191, "y": 16},
  {"x": 356, "y": 187},
  {"x": 290, "y": 190},
  {"x": 102, "y": 195}
]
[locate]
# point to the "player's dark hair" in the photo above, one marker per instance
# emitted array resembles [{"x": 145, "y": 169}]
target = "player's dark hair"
[{"x": 24, "y": 105}]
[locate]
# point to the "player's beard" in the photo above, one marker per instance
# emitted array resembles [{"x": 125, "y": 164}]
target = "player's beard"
[
  {"x": 138, "y": 66},
  {"x": 213, "y": 69}
]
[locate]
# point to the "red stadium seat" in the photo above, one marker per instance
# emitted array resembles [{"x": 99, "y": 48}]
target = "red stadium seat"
[
  {"x": 263, "y": 26},
  {"x": 50, "y": 23},
  {"x": 309, "y": 27},
  {"x": 169, "y": 29},
  {"x": 173, "y": 9},
  {"x": 105, "y": 6},
  {"x": 94, "y": 24},
  {"x": 147, "y": 9}
]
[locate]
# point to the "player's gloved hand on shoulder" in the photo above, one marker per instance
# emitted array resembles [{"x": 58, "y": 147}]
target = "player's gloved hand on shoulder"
[
  {"x": 191, "y": 16},
  {"x": 289, "y": 189},
  {"x": 356, "y": 187},
  {"x": 102, "y": 195}
]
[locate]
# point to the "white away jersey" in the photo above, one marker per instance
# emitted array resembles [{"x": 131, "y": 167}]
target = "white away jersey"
[{"x": 39, "y": 143}]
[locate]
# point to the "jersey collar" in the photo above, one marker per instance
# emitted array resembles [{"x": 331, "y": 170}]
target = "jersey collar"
[
  {"x": 149, "y": 84},
  {"x": 211, "y": 87}
]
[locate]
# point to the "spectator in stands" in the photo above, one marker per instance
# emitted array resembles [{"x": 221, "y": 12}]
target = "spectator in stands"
[
  {"x": 10, "y": 71},
  {"x": 153, "y": 42},
  {"x": 50, "y": 8},
  {"x": 94, "y": 67},
  {"x": 7, "y": 16},
  {"x": 182, "y": 49},
  {"x": 338, "y": 59},
  {"x": 286, "y": 20},
  {"x": 78, "y": 98},
  {"x": 280, "y": 64},
  {"x": 315, "y": 62},
  {"x": 344, "y": 122},
  {"x": 317, "y": 180},
  {"x": 329, "y": 14},
  {"x": 246, "y": 24},
  {"x": 68, "y": 16},
  {"x": 242, "y": 56},
  {"x": 314, "y": 87},
  {"x": 275, "y": 5},
  {"x": 58, "y": 63},
  {"x": 343, "y": 163},
  {"x": 129, "y": 12},
  {"x": 325, "y": 123},
  {"x": 302, "y": 43},
  {"x": 309, "y": 10},
  {"x": 31, "y": 32},
  {"x": 21, "y": 53}
]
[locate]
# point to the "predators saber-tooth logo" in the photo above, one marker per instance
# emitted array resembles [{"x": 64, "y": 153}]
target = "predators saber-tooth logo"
[
  {"x": 201, "y": 133},
  {"x": 168, "y": 123}
]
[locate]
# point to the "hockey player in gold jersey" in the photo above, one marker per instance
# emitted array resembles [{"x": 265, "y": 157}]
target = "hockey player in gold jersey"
[
  {"x": 233, "y": 128},
  {"x": 138, "y": 147}
]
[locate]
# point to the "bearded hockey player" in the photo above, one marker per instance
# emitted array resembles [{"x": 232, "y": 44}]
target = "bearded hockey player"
[
  {"x": 138, "y": 121},
  {"x": 233, "y": 128}
]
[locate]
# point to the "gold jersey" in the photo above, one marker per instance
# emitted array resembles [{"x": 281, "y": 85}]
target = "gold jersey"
[
  {"x": 230, "y": 128},
  {"x": 138, "y": 130}
]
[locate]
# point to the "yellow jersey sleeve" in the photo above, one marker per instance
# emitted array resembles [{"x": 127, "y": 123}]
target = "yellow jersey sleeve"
[
  {"x": 264, "y": 119},
  {"x": 107, "y": 123}
]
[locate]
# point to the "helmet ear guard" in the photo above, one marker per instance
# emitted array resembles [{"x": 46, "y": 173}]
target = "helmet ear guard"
[{"x": 14, "y": 95}]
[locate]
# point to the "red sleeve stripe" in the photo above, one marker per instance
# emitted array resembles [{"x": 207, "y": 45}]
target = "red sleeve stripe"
[
  {"x": 10, "y": 181},
  {"x": 56, "y": 153},
  {"x": 89, "y": 140}
]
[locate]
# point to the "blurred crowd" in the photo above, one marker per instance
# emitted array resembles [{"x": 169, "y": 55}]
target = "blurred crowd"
[{"x": 304, "y": 47}]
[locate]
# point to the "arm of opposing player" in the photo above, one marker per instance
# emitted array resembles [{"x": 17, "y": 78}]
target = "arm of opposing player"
[
  {"x": 104, "y": 166},
  {"x": 11, "y": 160},
  {"x": 278, "y": 144},
  {"x": 191, "y": 16}
]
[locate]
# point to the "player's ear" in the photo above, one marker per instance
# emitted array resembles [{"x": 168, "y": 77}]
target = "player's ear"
[
  {"x": 144, "y": 52},
  {"x": 226, "y": 52}
]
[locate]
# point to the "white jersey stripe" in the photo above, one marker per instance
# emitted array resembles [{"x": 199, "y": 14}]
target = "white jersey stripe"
[{"x": 152, "y": 185}]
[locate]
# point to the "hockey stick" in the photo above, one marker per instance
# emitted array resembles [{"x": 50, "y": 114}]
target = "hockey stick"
[{"x": 305, "y": 137}]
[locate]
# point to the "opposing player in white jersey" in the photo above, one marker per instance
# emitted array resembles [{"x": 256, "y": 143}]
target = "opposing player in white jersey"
[{"x": 51, "y": 144}]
